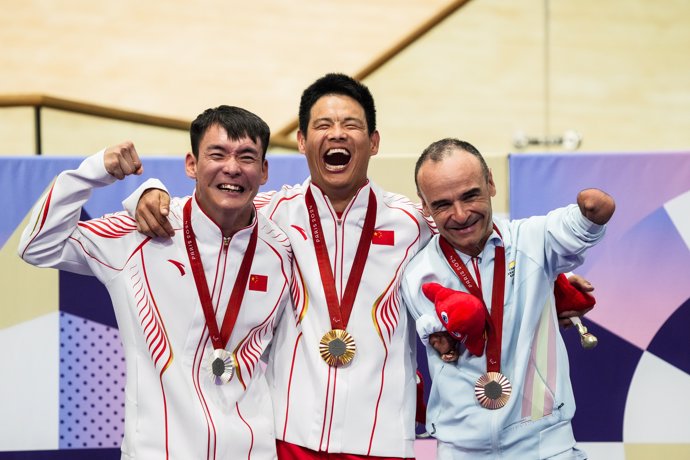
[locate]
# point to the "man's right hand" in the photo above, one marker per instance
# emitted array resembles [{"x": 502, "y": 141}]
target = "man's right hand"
[
  {"x": 152, "y": 214},
  {"x": 122, "y": 160},
  {"x": 446, "y": 346}
]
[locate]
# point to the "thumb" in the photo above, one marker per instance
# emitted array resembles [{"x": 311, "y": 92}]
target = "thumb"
[{"x": 165, "y": 204}]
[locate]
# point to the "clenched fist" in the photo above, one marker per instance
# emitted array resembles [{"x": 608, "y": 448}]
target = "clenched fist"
[{"x": 122, "y": 160}]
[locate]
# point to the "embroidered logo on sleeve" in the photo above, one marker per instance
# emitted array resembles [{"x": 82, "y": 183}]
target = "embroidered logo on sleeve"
[
  {"x": 383, "y": 237},
  {"x": 258, "y": 283}
]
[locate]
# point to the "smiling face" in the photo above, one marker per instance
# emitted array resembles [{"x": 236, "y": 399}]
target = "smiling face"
[
  {"x": 338, "y": 146},
  {"x": 456, "y": 193},
  {"x": 228, "y": 175}
]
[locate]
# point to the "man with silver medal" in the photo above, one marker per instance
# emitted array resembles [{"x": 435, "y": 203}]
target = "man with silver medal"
[{"x": 195, "y": 311}]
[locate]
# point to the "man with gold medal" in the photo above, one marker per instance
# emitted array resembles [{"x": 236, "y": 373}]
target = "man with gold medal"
[{"x": 500, "y": 376}]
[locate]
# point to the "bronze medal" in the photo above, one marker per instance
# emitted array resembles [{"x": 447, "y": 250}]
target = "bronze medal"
[
  {"x": 221, "y": 366},
  {"x": 492, "y": 390},
  {"x": 337, "y": 347}
]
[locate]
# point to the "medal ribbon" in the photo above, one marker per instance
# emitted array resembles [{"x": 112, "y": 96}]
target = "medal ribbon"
[
  {"x": 219, "y": 339},
  {"x": 495, "y": 330},
  {"x": 340, "y": 312}
]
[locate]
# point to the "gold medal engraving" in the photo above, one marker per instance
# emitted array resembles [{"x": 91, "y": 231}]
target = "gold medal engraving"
[
  {"x": 492, "y": 390},
  {"x": 337, "y": 347},
  {"x": 221, "y": 366}
]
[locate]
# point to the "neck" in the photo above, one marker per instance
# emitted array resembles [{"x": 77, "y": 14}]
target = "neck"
[
  {"x": 231, "y": 223},
  {"x": 339, "y": 204},
  {"x": 475, "y": 249},
  {"x": 339, "y": 198}
]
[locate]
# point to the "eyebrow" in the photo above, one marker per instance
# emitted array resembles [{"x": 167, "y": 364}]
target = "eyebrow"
[
  {"x": 463, "y": 196},
  {"x": 242, "y": 149},
  {"x": 345, "y": 120},
  {"x": 470, "y": 192},
  {"x": 437, "y": 203}
]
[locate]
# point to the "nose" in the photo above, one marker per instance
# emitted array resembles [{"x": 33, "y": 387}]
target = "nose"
[
  {"x": 337, "y": 132},
  {"x": 231, "y": 166},
  {"x": 460, "y": 213}
]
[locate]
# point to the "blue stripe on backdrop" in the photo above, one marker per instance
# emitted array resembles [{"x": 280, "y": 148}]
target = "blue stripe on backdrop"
[
  {"x": 65, "y": 454},
  {"x": 35, "y": 174}
]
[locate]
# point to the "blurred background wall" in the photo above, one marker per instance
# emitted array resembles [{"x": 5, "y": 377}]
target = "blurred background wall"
[{"x": 613, "y": 74}]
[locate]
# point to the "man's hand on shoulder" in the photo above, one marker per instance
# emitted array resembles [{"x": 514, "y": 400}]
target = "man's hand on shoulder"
[
  {"x": 152, "y": 214},
  {"x": 122, "y": 160}
]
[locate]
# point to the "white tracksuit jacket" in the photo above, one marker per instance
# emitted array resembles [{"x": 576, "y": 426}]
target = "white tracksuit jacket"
[
  {"x": 535, "y": 423},
  {"x": 368, "y": 406},
  {"x": 173, "y": 410}
]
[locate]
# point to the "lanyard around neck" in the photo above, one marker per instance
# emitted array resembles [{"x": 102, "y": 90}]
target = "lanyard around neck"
[
  {"x": 339, "y": 312},
  {"x": 219, "y": 339},
  {"x": 495, "y": 331}
]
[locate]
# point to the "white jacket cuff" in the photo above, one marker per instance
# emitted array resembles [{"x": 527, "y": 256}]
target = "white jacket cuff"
[
  {"x": 427, "y": 325},
  {"x": 130, "y": 203}
]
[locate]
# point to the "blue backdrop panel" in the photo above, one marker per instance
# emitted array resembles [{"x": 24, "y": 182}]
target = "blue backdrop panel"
[{"x": 640, "y": 276}]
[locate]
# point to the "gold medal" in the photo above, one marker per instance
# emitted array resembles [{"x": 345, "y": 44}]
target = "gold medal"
[
  {"x": 337, "y": 347},
  {"x": 492, "y": 390},
  {"x": 221, "y": 366}
]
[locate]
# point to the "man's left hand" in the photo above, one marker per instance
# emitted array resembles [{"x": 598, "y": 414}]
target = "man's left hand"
[{"x": 581, "y": 285}]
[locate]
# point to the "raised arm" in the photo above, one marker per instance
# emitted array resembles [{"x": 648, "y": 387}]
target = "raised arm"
[
  {"x": 52, "y": 238},
  {"x": 596, "y": 205}
]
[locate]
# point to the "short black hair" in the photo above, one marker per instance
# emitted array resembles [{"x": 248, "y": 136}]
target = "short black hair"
[
  {"x": 236, "y": 121},
  {"x": 340, "y": 84},
  {"x": 438, "y": 150}
]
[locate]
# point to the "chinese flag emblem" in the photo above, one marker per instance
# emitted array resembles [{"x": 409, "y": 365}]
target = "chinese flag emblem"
[
  {"x": 258, "y": 283},
  {"x": 384, "y": 237}
]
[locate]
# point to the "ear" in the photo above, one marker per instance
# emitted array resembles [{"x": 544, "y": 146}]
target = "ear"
[
  {"x": 425, "y": 208},
  {"x": 492, "y": 186},
  {"x": 264, "y": 172},
  {"x": 374, "y": 140},
  {"x": 190, "y": 165},
  {"x": 301, "y": 139}
]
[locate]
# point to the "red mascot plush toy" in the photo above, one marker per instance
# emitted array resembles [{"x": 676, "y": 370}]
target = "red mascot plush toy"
[
  {"x": 569, "y": 298},
  {"x": 465, "y": 318},
  {"x": 462, "y": 314}
]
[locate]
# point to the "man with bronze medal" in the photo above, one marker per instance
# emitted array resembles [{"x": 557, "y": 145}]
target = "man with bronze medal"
[
  {"x": 482, "y": 296},
  {"x": 196, "y": 311}
]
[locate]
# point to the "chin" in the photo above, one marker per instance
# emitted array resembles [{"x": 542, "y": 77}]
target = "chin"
[{"x": 234, "y": 203}]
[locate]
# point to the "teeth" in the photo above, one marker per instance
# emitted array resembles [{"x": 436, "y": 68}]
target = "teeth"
[
  {"x": 334, "y": 151},
  {"x": 336, "y": 159},
  {"x": 231, "y": 187}
]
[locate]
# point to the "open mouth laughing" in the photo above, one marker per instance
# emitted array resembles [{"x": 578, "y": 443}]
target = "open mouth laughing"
[{"x": 336, "y": 160}]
